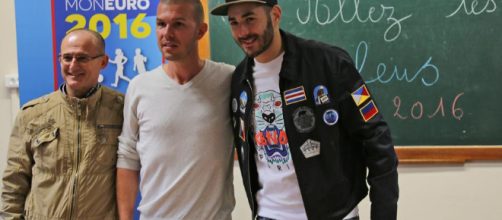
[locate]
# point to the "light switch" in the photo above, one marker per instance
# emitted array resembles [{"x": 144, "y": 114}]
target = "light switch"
[{"x": 11, "y": 81}]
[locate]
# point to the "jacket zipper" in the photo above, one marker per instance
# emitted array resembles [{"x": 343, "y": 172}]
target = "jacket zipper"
[
  {"x": 75, "y": 179},
  {"x": 251, "y": 99}
]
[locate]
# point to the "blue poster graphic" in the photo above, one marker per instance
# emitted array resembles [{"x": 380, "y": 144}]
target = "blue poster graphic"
[{"x": 128, "y": 27}]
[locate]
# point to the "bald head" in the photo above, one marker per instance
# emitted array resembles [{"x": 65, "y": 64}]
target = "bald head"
[{"x": 97, "y": 39}]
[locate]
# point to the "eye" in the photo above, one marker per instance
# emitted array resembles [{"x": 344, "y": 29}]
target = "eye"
[
  {"x": 178, "y": 24},
  {"x": 82, "y": 58},
  {"x": 249, "y": 19},
  {"x": 67, "y": 58},
  {"x": 277, "y": 103},
  {"x": 160, "y": 24},
  {"x": 256, "y": 105}
]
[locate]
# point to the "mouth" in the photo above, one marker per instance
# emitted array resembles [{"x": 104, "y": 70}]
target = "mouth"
[
  {"x": 169, "y": 45},
  {"x": 247, "y": 41},
  {"x": 75, "y": 76}
]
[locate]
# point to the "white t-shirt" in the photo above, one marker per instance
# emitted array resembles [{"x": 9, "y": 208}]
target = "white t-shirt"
[
  {"x": 280, "y": 197},
  {"x": 180, "y": 139}
]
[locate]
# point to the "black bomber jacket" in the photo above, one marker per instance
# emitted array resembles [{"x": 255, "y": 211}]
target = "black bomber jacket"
[{"x": 334, "y": 136}]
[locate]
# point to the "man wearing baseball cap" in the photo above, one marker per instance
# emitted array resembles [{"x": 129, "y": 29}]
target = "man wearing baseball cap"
[{"x": 306, "y": 127}]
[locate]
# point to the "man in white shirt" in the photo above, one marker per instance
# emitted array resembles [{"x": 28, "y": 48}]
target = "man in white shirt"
[{"x": 177, "y": 135}]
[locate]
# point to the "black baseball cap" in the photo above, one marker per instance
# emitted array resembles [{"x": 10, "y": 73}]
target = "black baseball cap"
[{"x": 223, "y": 8}]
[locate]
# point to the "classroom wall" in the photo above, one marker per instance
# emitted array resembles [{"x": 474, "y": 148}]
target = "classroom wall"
[
  {"x": 8, "y": 65},
  {"x": 433, "y": 192}
]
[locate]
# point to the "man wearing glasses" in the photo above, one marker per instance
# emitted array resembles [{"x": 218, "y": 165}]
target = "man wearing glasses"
[{"x": 62, "y": 150}]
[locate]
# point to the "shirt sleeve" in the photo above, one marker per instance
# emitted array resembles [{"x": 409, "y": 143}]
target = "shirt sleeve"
[
  {"x": 127, "y": 155},
  {"x": 17, "y": 174}
]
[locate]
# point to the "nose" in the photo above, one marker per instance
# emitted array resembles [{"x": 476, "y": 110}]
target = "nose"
[
  {"x": 168, "y": 31},
  {"x": 73, "y": 63},
  {"x": 240, "y": 30}
]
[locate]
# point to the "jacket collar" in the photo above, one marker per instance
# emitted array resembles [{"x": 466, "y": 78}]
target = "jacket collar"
[
  {"x": 88, "y": 104},
  {"x": 288, "y": 69}
]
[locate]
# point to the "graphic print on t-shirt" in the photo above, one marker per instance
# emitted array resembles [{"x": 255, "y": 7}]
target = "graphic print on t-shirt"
[{"x": 270, "y": 132}]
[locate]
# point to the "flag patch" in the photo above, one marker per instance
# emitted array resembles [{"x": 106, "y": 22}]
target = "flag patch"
[
  {"x": 368, "y": 111},
  {"x": 295, "y": 95},
  {"x": 361, "y": 95},
  {"x": 242, "y": 133}
]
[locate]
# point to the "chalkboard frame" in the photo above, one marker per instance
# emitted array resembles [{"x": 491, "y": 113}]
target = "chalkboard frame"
[{"x": 447, "y": 154}]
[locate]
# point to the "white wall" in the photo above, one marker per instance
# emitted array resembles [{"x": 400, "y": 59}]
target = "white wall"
[
  {"x": 8, "y": 65},
  {"x": 432, "y": 192}
]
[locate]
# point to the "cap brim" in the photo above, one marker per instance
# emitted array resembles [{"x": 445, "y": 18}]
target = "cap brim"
[{"x": 222, "y": 9}]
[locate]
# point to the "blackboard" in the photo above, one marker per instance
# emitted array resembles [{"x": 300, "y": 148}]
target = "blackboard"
[{"x": 434, "y": 67}]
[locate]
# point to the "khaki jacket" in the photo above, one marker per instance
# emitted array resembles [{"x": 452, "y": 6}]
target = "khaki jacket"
[{"x": 61, "y": 158}]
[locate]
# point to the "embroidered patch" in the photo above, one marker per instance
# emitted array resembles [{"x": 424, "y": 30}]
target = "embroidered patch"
[
  {"x": 304, "y": 119},
  {"x": 361, "y": 95},
  {"x": 243, "y": 98},
  {"x": 368, "y": 111},
  {"x": 321, "y": 95},
  {"x": 242, "y": 133},
  {"x": 311, "y": 148},
  {"x": 330, "y": 117},
  {"x": 294, "y": 95},
  {"x": 234, "y": 105}
]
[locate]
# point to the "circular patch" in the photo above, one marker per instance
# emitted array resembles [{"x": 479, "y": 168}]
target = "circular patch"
[
  {"x": 234, "y": 105},
  {"x": 304, "y": 119},
  {"x": 330, "y": 117},
  {"x": 243, "y": 98}
]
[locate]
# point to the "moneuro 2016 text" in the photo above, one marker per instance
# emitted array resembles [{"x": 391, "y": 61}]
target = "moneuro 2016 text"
[
  {"x": 139, "y": 28},
  {"x": 106, "y": 5}
]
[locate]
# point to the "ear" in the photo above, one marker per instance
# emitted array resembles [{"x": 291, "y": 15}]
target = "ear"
[
  {"x": 104, "y": 61},
  {"x": 202, "y": 30},
  {"x": 276, "y": 14}
]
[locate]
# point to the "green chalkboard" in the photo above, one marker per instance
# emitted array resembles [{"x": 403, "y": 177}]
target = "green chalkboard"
[{"x": 434, "y": 67}]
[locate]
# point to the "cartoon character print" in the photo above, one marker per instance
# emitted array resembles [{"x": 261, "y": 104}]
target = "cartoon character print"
[{"x": 270, "y": 134}]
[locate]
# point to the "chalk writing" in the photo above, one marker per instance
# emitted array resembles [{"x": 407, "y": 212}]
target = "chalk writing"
[
  {"x": 417, "y": 109},
  {"x": 428, "y": 73},
  {"x": 474, "y": 8},
  {"x": 381, "y": 13}
]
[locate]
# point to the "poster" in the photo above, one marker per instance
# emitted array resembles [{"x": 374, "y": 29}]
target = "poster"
[{"x": 128, "y": 27}]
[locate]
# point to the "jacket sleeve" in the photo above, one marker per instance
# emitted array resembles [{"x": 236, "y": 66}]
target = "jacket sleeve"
[
  {"x": 17, "y": 174},
  {"x": 368, "y": 130}
]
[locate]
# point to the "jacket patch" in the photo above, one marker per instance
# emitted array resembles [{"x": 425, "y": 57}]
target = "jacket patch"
[
  {"x": 321, "y": 95},
  {"x": 295, "y": 95},
  {"x": 234, "y": 105},
  {"x": 311, "y": 148},
  {"x": 304, "y": 119},
  {"x": 330, "y": 117},
  {"x": 242, "y": 132},
  {"x": 243, "y": 101},
  {"x": 361, "y": 95},
  {"x": 368, "y": 111}
]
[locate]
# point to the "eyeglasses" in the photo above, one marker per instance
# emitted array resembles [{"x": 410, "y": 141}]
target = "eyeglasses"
[{"x": 79, "y": 58}]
